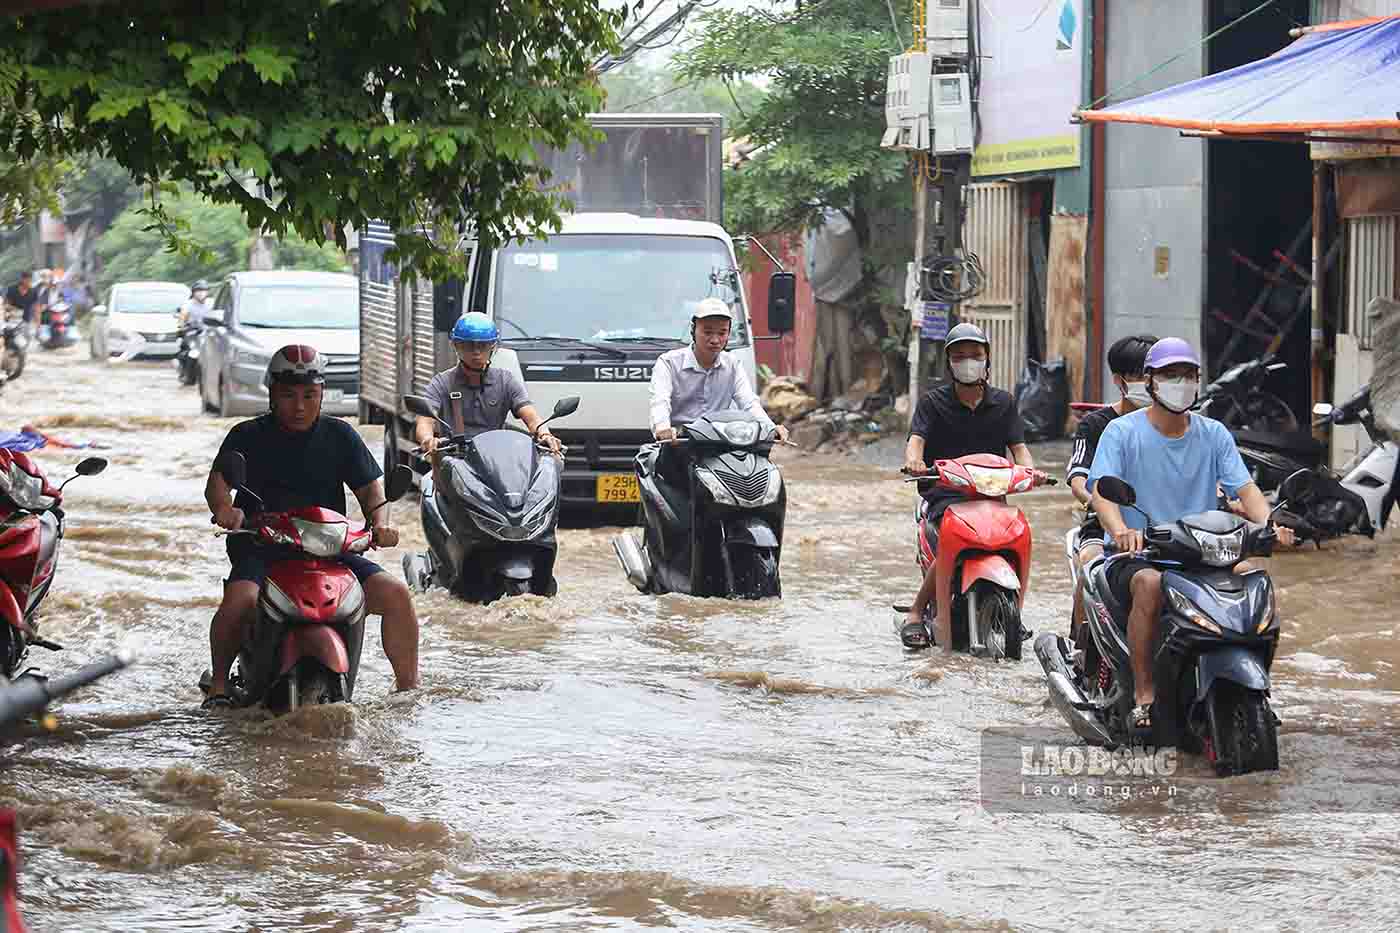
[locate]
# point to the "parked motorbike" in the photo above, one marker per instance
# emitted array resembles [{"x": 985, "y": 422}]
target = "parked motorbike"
[
  {"x": 719, "y": 530},
  {"x": 1372, "y": 474},
  {"x": 304, "y": 647},
  {"x": 56, "y": 327},
  {"x": 16, "y": 349},
  {"x": 490, "y": 527},
  {"x": 31, "y": 530},
  {"x": 1217, "y": 634},
  {"x": 982, "y": 554},
  {"x": 20, "y": 699},
  {"x": 186, "y": 361},
  {"x": 1238, "y": 400}
]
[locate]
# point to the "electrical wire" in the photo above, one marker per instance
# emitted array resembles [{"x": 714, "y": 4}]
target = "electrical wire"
[{"x": 951, "y": 278}]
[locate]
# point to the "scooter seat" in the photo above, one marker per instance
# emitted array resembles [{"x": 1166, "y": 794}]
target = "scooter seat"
[{"x": 1098, "y": 571}]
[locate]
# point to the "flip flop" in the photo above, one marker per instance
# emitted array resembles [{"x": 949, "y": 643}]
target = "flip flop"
[
  {"x": 915, "y": 635},
  {"x": 218, "y": 701},
  {"x": 1140, "y": 720}
]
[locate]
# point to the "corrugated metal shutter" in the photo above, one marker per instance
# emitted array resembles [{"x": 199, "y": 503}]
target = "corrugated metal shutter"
[
  {"x": 1370, "y": 271},
  {"x": 379, "y": 338},
  {"x": 995, "y": 230},
  {"x": 424, "y": 346}
]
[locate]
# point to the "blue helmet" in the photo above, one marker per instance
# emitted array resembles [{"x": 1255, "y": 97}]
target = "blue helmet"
[{"x": 475, "y": 327}]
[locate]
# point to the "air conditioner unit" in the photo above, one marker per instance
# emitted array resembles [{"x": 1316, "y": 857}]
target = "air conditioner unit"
[
  {"x": 952, "y": 114},
  {"x": 947, "y": 28},
  {"x": 907, "y": 101}
]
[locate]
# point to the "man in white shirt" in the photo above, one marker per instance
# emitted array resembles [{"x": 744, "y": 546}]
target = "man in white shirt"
[{"x": 691, "y": 381}]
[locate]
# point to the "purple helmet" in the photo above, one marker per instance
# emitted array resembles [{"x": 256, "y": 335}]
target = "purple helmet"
[{"x": 1168, "y": 351}]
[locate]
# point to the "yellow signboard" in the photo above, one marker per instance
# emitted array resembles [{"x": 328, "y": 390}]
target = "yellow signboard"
[{"x": 1027, "y": 155}]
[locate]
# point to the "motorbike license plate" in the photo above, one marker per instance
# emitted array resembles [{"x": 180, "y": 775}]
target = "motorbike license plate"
[
  {"x": 335, "y": 395},
  {"x": 618, "y": 487}
]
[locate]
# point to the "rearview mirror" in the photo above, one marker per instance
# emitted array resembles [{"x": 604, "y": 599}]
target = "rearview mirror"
[
  {"x": 99, "y": 309},
  {"x": 565, "y": 406},
  {"x": 400, "y": 482},
  {"x": 235, "y": 470},
  {"x": 1115, "y": 490},
  {"x": 782, "y": 302},
  {"x": 91, "y": 466},
  {"x": 1296, "y": 486},
  {"x": 214, "y": 317},
  {"x": 419, "y": 406}
]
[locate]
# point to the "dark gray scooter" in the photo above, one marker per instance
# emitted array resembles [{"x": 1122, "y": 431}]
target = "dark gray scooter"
[
  {"x": 490, "y": 529},
  {"x": 717, "y": 530},
  {"x": 1216, "y": 641}
]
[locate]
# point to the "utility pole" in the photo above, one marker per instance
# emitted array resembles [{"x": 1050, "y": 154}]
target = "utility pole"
[{"x": 916, "y": 362}]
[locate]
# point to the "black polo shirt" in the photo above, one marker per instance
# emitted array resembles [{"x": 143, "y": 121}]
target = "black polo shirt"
[
  {"x": 25, "y": 302},
  {"x": 950, "y": 429},
  {"x": 295, "y": 470}
]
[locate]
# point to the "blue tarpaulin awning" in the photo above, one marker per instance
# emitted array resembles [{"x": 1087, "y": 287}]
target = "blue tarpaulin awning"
[{"x": 1340, "y": 77}]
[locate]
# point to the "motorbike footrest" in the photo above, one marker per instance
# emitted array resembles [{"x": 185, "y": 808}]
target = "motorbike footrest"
[{"x": 45, "y": 643}]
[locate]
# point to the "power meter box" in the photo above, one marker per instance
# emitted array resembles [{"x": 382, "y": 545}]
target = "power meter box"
[{"x": 907, "y": 101}]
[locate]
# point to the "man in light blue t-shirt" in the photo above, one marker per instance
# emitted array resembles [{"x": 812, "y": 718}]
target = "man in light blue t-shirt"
[{"x": 1174, "y": 461}]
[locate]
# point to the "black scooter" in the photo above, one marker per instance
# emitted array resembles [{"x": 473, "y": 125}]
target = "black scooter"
[
  {"x": 1215, "y": 643},
  {"x": 1237, "y": 399},
  {"x": 16, "y": 350},
  {"x": 186, "y": 360},
  {"x": 718, "y": 531},
  {"x": 490, "y": 527}
]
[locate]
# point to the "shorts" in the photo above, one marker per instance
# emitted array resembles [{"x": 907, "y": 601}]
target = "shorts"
[
  {"x": 250, "y": 563},
  {"x": 1120, "y": 578},
  {"x": 1091, "y": 532}
]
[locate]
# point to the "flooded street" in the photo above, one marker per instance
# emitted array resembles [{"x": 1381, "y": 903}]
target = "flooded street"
[{"x": 605, "y": 760}]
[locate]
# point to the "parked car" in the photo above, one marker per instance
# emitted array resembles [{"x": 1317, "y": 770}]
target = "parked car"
[
  {"x": 137, "y": 320},
  {"x": 255, "y": 313}
]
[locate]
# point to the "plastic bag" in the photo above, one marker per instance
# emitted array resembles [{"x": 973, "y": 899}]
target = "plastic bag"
[{"x": 1042, "y": 399}]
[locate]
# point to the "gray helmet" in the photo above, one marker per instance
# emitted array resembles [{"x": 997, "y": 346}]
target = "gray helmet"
[
  {"x": 965, "y": 333},
  {"x": 200, "y": 286}
]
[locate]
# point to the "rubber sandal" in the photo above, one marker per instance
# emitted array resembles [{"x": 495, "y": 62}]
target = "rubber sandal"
[
  {"x": 1141, "y": 719},
  {"x": 915, "y": 635},
  {"x": 218, "y": 701}
]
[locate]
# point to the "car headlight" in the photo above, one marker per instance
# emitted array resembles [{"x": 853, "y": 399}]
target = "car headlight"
[
  {"x": 717, "y": 489},
  {"x": 24, "y": 490},
  {"x": 739, "y": 433},
  {"x": 321, "y": 539},
  {"x": 1191, "y": 611},
  {"x": 1220, "y": 550},
  {"x": 117, "y": 333}
]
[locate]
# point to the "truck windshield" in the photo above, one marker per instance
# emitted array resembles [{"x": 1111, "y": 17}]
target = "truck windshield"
[{"x": 613, "y": 287}]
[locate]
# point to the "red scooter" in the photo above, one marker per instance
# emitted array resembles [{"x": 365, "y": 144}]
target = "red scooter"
[
  {"x": 31, "y": 529},
  {"x": 984, "y": 553},
  {"x": 304, "y": 648}
]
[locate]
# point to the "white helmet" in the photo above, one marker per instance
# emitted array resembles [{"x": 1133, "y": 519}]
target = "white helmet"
[
  {"x": 713, "y": 307},
  {"x": 295, "y": 364}
]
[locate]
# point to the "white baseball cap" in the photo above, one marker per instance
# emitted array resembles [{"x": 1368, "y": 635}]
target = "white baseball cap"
[{"x": 713, "y": 307}]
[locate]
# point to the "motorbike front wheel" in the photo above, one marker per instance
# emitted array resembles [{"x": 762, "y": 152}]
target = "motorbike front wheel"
[
  {"x": 1243, "y": 735},
  {"x": 757, "y": 576},
  {"x": 310, "y": 684},
  {"x": 998, "y": 619},
  {"x": 14, "y": 363}
]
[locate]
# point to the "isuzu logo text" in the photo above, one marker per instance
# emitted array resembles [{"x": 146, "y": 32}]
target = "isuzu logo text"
[{"x": 622, "y": 373}]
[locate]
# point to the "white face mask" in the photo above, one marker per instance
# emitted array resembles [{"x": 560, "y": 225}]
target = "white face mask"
[
  {"x": 969, "y": 372},
  {"x": 1177, "y": 394},
  {"x": 1136, "y": 392}
]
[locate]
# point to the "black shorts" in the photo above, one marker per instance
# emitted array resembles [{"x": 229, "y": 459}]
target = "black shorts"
[
  {"x": 250, "y": 563},
  {"x": 1120, "y": 578},
  {"x": 1091, "y": 532}
]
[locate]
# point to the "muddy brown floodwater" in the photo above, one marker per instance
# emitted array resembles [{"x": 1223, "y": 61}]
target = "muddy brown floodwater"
[{"x": 605, "y": 760}]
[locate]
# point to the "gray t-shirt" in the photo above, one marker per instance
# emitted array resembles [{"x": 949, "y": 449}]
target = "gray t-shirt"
[{"x": 484, "y": 407}]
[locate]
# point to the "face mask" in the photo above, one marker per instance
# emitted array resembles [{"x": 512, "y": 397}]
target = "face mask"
[
  {"x": 969, "y": 371},
  {"x": 1177, "y": 394},
  {"x": 1136, "y": 392}
]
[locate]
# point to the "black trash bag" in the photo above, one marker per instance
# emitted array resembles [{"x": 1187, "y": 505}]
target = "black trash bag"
[{"x": 1042, "y": 399}]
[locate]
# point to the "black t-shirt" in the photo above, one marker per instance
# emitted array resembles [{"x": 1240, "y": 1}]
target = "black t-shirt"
[
  {"x": 1086, "y": 439},
  {"x": 312, "y": 468},
  {"x": 24, "y": 302},
  {"x": 950, "y": 429}
]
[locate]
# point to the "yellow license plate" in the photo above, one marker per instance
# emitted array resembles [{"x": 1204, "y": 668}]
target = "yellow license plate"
[{"x": 618, "y": 487}]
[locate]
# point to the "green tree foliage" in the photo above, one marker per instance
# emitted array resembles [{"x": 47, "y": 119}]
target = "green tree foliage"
[
  {"x": 98, "y": 190},
  {"x": 347, "y": 109},
  {"x": 659, "y": 90},
  {"x": 822, "y": 117}
]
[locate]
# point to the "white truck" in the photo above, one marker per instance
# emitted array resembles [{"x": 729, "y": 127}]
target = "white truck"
[{"x": 584, "y": 312}]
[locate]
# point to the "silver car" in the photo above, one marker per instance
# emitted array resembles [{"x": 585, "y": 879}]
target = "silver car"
[
  {"x": 256, "y": 313},
  {"x": 138, "y": 320}
]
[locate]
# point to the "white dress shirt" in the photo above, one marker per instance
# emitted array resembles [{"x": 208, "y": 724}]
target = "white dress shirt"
[{"x": 682, "y": 390}]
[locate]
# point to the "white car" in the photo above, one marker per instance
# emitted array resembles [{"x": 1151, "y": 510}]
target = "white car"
[
  {"x": 256, "y": 313},
  {"x": 138, "y": 320}
]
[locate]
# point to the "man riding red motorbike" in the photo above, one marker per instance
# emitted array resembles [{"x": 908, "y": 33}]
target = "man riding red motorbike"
[
  {"x": 297, "y": 458},
  {"x": 952, "y": 420}
]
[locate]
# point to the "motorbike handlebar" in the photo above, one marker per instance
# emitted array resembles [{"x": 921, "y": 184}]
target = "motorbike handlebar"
[{"x": 28, "y": 695}]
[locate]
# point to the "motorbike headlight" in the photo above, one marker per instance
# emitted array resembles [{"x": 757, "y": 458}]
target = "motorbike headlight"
[
  {"x": 1220, "y": 550},
  {"x": 1191, "y": 611},
  {"x": 990, "y": 481},
  {"x": 775, "y": 486},
  {"x": 1270, "y": 617},
  {"x": 739, "y": 433},
  {"x": 354, "y": 601},
  {"x": 24, "y": 490},
  {"x": 717, "y": 489},
  {"x": 321, "y": 539}
]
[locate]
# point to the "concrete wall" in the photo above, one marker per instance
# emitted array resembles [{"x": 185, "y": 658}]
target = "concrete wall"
[{"x": 1154, "y": 181}]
